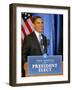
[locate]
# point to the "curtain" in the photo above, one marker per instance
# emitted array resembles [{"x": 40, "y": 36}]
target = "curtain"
[{"x": 53, "y": 30}]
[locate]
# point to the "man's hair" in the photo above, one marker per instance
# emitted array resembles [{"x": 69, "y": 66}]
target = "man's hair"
[{"x": 35, "y": 18}]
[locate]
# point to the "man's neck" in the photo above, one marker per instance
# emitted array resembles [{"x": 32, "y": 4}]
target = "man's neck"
[
  {"x": 36, "y": 32},
  {"x": 37, "y": 35}
]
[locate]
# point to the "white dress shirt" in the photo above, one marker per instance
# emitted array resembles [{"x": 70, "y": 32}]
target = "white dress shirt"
[{"x": 38, "y": 35}]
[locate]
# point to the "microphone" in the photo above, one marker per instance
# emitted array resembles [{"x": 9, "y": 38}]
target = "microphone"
[{"x": 46, "y": 43}]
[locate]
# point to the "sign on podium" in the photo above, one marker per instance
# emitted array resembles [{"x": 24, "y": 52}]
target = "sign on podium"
[{"x": 44, "y": 65}]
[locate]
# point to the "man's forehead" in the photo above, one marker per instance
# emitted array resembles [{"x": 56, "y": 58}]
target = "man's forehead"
[{"x": 39, "y": 20}]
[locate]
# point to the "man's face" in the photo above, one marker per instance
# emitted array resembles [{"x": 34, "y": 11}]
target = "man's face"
[{"x": 38, "y": 25}]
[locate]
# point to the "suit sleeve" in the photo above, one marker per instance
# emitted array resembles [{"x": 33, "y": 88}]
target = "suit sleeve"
[{"x": 25, "y": 49}]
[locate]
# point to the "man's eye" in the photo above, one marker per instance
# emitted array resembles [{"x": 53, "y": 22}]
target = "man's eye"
[{"x": 39, "y": 22}]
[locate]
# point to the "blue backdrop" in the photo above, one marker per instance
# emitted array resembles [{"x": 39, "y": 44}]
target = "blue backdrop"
[{"x": 53, "y": 30}]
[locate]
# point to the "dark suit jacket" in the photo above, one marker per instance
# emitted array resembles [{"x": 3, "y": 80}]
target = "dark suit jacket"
[{"x": 31, "y": 46}]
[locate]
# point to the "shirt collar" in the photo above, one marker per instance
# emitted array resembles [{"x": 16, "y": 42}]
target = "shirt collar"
[{"x": 37, "y": 34}]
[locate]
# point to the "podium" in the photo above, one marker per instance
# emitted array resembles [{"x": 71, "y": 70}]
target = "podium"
[{"x": 40, "y": 65}]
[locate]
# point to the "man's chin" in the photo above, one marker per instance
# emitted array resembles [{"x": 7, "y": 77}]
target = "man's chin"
[{"x": 40, "y": 30}]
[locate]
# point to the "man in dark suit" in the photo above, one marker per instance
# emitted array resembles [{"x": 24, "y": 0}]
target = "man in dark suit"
[{"x": 35, "y": 43}]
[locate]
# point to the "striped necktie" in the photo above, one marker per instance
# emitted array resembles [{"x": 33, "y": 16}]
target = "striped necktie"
[{"x": 41, "y": 43}]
